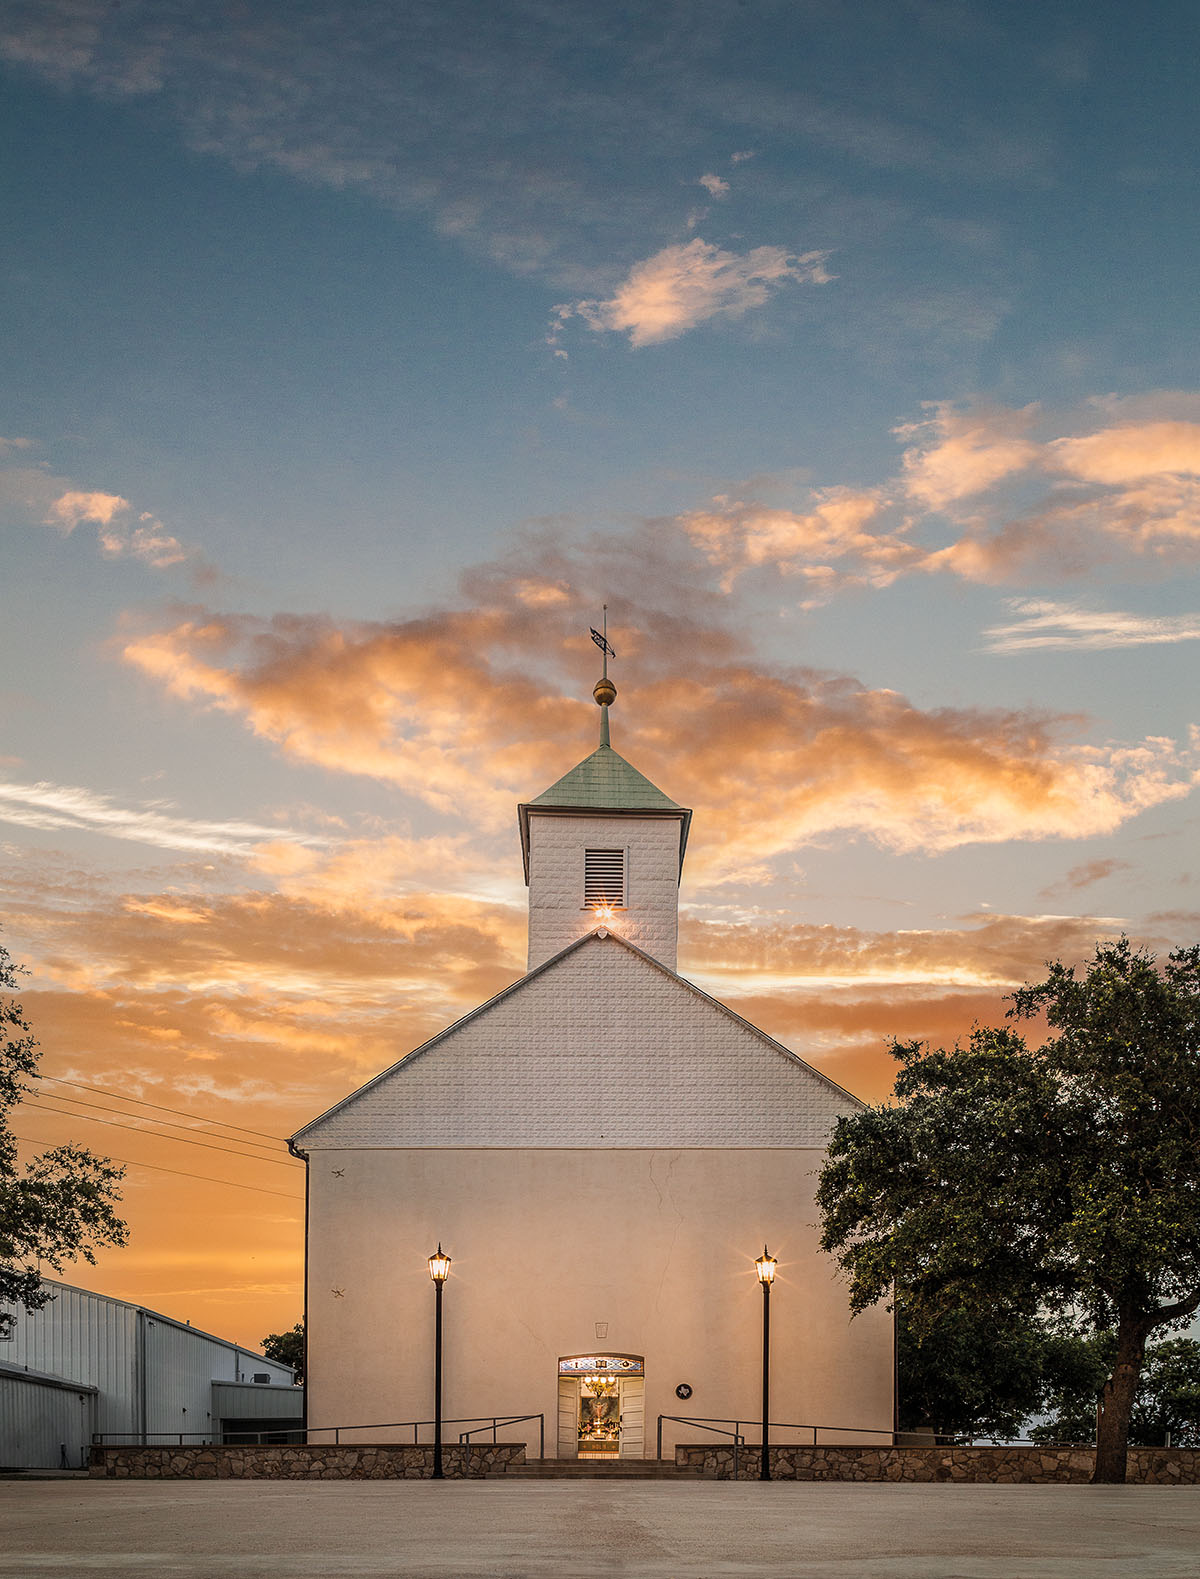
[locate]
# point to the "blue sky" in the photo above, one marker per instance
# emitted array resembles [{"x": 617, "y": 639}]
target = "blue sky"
[{"x": 356, "y": 355}]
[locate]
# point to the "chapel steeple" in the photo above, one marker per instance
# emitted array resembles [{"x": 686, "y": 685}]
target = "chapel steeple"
[
  {"x": 604, "y": 691},
  {"x": 603, "y": 847}
]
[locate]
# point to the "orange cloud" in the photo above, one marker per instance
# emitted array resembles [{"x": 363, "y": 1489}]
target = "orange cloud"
[
  {"x": 840, "y": 995},
  {"x": 1129, "y": 452},
  {"x": 258, "y": 1006},
  {"x": 842, "y": 524},
  {"x": 416, "y": 703},
  {"x": 75, "y": 506},
  {"x": 464, "y": 712},
  {"x": 683, "y": 286},
  {"x": 994, "y": 953},
  {"x": 146, "y": 539},
  {"x": 1084, "y": 875},
  {"x": 256, "y": 1009},
  {"x": 956, "y": 454},
  {"x": 1021, "y": 501}
]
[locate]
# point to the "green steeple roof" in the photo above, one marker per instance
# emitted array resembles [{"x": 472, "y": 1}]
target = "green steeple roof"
[
  {"x": 606, "y": 781},
  {"x": 603, "y": 782}
]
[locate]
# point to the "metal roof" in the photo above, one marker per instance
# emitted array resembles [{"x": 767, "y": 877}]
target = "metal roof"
[
  {"x": 606, "y": 781},
  {"x": 607, "y": 785}
]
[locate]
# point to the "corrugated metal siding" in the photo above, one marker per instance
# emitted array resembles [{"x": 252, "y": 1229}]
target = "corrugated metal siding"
[
  {"x": 40, "y": 1425},
  {"x": 137, "y": 1359},
  {"x": 180, "y": 1369},
  {"x": 245, "y": 1401},
  {"x": 84, "y": 1338}
]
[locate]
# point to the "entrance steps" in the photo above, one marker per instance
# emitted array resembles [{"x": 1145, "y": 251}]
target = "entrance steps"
[{"x": 603, "y": 1469}]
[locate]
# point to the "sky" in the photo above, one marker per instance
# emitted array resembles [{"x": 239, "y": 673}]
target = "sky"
[{"x": 356, "y": 356}]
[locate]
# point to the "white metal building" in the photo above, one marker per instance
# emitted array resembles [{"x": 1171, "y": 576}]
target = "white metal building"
[{"x": 87, "y": 1364}]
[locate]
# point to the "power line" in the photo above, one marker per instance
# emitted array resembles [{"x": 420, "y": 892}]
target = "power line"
[
  {"x": 177, "y": 1140},
  {"x": 179, "y": 1112},
  {"x": 204, "y": 1177},
  {"x": 162, "y": 1122}
]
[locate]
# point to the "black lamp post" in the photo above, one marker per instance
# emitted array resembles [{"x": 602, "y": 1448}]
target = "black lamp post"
[
  {"x": 439, "y": 1271},
  {"x": 765, "y": 1267}
]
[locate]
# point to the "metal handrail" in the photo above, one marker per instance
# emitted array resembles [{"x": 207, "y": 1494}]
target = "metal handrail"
[
  {"x": 488, "y": 1423},
  {"x": 783, "y": 1425},
  {"x": 499, "y": 1420},
  {"x": 204, "y": 1438},
  {"x": 715, "y": 1422}
]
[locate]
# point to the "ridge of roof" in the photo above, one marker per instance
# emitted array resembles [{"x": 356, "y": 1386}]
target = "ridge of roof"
[
  {"x": 160, "y": 1317},
  {"x": 604, "y": 779},
  {"x": 598, "y": 934}
]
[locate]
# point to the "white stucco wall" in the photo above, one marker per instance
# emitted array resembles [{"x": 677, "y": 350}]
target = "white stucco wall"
[
  {"x": 659, "y": 1243},
  {"x": 557, "y": 916}
]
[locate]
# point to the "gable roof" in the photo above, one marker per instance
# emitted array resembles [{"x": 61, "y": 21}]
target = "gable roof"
[{"x": 601, "y": 1045}]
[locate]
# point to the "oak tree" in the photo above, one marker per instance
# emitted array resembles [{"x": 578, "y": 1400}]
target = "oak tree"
[
  {"x": 1007, "y": 1182},
  {"x": 60, "y": 1204},
  {"x": 1166, "y": 1406},
  {"x": 287, "y": 1348}
]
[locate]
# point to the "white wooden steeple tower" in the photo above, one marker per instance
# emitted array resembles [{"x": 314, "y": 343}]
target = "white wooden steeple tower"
[{"x": 604, "y": 848}]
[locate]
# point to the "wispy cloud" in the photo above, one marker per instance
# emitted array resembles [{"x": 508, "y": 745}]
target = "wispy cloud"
[
  {"x": 39, "y": 497},
  {"x": 118, "y": 530},
  {"x": 14, "y": 444},
  {"x": 990, "y": 494},
  {"x": 429, "y": 109},
  {"x": 74, "y": 506},
  {"x": 1040, "y": 624},
  {"x": 714, "y": 185},
  {"x": 994, "y": 952},
  {"x": 69, "y": 808},
  {"x": 955, "y": 454},
  {"x": 1084, "y": 875},
  {"x": 683, "y": 286},
  {"x": 844, "y": 534},
  {"x": 1125, "y": 489}
]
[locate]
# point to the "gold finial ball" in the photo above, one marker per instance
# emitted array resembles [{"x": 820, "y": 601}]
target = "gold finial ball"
[{"x": 605, "y": 693}]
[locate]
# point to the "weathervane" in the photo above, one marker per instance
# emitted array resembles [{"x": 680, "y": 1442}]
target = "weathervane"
[{"x": 604, "y": 690}]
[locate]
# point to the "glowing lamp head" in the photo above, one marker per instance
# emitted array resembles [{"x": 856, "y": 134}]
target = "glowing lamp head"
[
  {"x": 765, "y": 1267},
  {"x": 439, "y": 1266},
  {"x": 603, "y": 913}
]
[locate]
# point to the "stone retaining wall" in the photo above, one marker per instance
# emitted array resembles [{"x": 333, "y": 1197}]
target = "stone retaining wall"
[
  {"x": 350, "y": 1461},
  {"x": 1148, "y": 1466}
]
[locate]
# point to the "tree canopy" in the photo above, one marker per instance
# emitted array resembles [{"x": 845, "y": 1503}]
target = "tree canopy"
[
  {"x": 1166, "y": 1404},
  {"x": 969, "y": 1377},
  {"x": 59, "y": 1205},
  {"x": 287, "y": 1348},
  {"x": 1007, "y": 1182},
  {"x": 964, "y": 1375}
]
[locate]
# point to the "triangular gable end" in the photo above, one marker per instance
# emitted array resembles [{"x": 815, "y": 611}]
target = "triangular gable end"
[{"x": 600, "y": 1046}]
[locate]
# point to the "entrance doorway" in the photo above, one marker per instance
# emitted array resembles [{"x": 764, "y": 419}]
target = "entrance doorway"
[{"x": 601, "y": 1406}]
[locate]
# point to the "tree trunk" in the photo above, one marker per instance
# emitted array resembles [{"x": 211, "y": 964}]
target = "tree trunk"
[{"x": 1116, "y": 1402}]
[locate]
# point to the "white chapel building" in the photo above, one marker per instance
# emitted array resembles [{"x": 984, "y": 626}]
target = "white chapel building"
[{"x": 602, "y": 1149}]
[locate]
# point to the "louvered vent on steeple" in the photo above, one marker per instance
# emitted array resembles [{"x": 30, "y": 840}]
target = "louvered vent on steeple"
[{"x": 604, "y": 879}]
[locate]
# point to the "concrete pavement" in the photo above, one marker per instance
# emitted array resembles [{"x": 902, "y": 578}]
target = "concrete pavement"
[{"x": 569, "y": 1530}]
